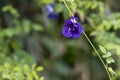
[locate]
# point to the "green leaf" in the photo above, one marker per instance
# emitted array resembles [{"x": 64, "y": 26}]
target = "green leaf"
[
  {"x": 40, "y": 68},
  {"x": 7, "y": 65},
  {"x": 101, "y": 7},
  {"x": 35, "y": 75},
  {"x": 60, "y": 1},
  {"x": 17, "y": 30},
  {"x": 103, "y": 50},
  {"x": 37, "y": 27},
  {"x": 1, "y": 68},
  {"x": 6, "y": 8},
  {"x": 33, "y": 66},
  {"x": 108, "y": 54},
  {"x": 17, "y": 69},
  {"x": 74, "y": 6},
  {"x": 41, "y": 78},
  {"x": 104, "y": 56},
  {"x": 26, "y": 26},
  {"x": 94, "y": 6},
  {"x": 58, "y": 8},
  {"x": 29, "y": 76},
  {"x": 26, "y": 68},
  {"x": 14, "y": 12},
  {"x": 8, "y": 32},
  {"x": 47, "y": 1},
  {"x": 110, "y": 60},
  {"x": 88, "y": 5}
]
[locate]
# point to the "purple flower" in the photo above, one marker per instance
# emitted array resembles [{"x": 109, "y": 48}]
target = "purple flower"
[
  {"x": 50, "y": 11},
  {"x": 72, "y": 29}
]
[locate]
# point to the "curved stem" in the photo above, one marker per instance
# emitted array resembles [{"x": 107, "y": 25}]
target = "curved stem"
[
  {"x": 98, "y": 55},
  {"x": 91, "y": 45},
  {"x": 68, "y": 7}
]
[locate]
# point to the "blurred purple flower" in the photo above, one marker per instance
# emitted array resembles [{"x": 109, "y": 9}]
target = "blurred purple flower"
[
  {"x": 50, "y": 11},
  {"x": 72, "y": 29}
]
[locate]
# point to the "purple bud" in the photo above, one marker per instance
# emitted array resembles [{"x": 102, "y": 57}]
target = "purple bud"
[{"x": 50, "y": 11}]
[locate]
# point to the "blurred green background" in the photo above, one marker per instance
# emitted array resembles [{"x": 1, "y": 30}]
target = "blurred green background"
[{"x": 30, "y": 41}]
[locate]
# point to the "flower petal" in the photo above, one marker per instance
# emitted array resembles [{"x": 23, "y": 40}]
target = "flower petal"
[
  {"x": 78, "y": 33},
  {"x": 75, "y": 35},
  {"x": 50, "y": 11},
  {"x": 53, "y": 16},
  {"x": 66, "y": 32},
  {"x": 80, "y": 28}
]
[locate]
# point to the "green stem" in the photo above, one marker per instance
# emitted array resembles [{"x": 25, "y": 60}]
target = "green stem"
[
  {"x": 91, "y": 45},
  {"x": 67, "y": 7},
  {"x": 98, "y": 55}
]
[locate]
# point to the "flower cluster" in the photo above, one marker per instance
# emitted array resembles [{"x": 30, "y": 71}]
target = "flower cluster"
[
  {"x": 72, "y": 29},
  {"x": 50, "y": 11}
]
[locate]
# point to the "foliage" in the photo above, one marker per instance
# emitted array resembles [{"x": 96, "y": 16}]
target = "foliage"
[
  {"x": 17, "y": 64},
  {"x": 20, "y": 66},
  {"x": 28, "y": 36},
  {"x": 19, "y": 72}
]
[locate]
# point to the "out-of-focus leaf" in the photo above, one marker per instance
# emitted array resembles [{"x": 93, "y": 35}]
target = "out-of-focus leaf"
[
  {"x": 26, "y": 26},
  {"x": 101, "y": 7},
  {"x": 12, "y": 10},
  {"x": 46, "y": 1},
  {"x": 6, "y": 8},
  {"x": 41, "y": 78},
  {"x": 103, "y": 50},
  {"x": 39, "y": 68},
  {"x": 1, "y": 68},
  {"x": 110, "y": 60},
  {"x": 94, "y": 6},
  {"x": 8, "y": 32},
  {"x": 29, "y": 76},
  {"x": 37, "y": 27},
  {"x": 33, "y": 66},
  {"x": 26, "y": 69},
  {"x": 58, "y": 8},
  {"x": 34, "y": 74}
]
